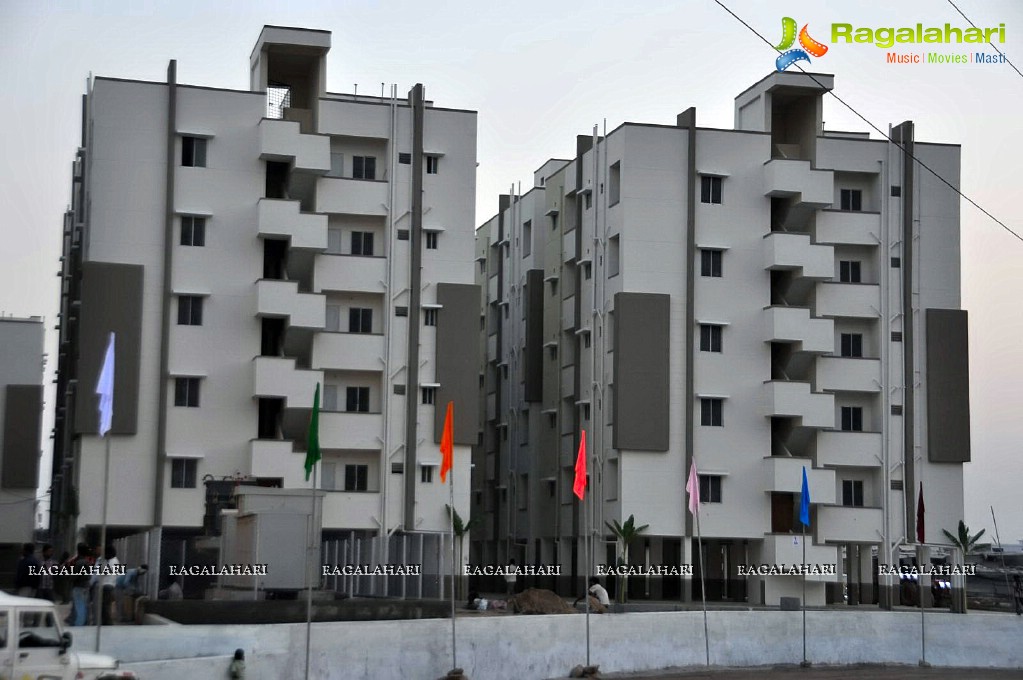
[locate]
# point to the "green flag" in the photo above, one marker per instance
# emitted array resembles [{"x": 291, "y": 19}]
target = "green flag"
[{"x": 312, "y": 448}]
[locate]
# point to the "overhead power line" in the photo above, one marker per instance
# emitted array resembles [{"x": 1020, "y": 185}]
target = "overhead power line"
[
  {"x": 859, "y": 115},
  {"x": 989, "y": 42}
]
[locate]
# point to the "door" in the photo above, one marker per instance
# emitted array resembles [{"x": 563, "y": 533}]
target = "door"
[{"x": 39, "y": 649}]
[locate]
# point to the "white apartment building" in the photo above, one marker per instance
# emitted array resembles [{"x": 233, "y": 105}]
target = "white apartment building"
[
  {"x": 245, "y": 246},
  {"x": 766, "y": 298},
  {"x": 21, "y": 407}
]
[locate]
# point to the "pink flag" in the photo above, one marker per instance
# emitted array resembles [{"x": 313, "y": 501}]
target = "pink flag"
[{"x": 693, "y": 487}]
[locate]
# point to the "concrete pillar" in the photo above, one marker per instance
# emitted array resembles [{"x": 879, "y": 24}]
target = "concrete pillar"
[
  {"x": 688, "y": 557},
  {"x": 852, "y": 573},
  {"x": 866, "y": 574},
  {"x": 923, "y": 561}
]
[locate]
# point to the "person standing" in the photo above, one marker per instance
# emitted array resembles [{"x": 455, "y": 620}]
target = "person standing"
[
  {"x": 26, "y": 575},
  {"x": 80, "y": 586},
  {"x": 46, "y": 578},
  {"x": 1017, "y": 594},
  {"x": 127, "y": 588},
  {"x": 107, "y": 582},
  {"x": 510, "y": 576}
]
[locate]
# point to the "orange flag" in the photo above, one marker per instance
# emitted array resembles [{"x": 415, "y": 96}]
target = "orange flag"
[
  {"x": 447, "y": 442},
  {"x": 580, "y": 468}
]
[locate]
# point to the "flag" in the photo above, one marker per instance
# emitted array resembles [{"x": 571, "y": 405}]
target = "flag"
[
  {"x": 920, "y": 515},
  {"x": 105, "y": 389},
  {"x": 312, "y": 446},
  {"x": 804, "y": 502},
  {"x": 447, "y": 443},
  {"x": 579, "y": 487},
  {"x": 693, "y": 488}
]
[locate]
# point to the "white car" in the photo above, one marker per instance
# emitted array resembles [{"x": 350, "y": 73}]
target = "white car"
[{"x": 33, "y": 645}]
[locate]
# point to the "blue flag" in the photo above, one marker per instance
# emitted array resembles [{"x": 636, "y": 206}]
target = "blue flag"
[{"x": 804, "y": 502}]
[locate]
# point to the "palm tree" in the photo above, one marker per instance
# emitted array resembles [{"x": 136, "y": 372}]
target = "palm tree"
[
  {"x": 624, "y": 533},
  {"x": 461, "y": 529},
  {"x": 964, "y": 541}
]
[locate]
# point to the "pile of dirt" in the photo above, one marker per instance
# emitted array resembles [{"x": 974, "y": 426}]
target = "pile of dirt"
[{"x": 538, "y": 601}]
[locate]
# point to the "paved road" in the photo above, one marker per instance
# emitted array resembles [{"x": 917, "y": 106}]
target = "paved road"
[{"x": 826, "y": 673}]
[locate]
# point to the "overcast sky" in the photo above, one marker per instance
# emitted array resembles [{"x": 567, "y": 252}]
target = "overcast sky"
[{"x": 539, "y": 73}]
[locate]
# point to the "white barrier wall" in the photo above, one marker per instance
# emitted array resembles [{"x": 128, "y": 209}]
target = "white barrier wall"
[{"x": 538, "y": 647}]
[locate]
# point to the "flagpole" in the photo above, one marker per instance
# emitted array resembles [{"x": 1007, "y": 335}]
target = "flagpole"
[
  {"x": 103, "y": 540},
  {"x": 454, "y": 567},
  {"x": 589, "y": 569},
  {"x": 703, "y": 589},
  {"x": 805, "y": 663},
  {"x": 309, "y": 581}
]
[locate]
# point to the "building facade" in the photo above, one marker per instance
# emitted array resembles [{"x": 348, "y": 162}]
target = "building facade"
[
  {"x": 245, "y": 246},
  {"x": 21, "y": 406},
  {"x": 762, "y": 299}
]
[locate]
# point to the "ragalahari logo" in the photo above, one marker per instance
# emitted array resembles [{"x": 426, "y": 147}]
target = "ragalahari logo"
[{"x": 788, "y": 37}]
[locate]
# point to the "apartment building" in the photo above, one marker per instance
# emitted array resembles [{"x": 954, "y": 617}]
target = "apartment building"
[
  {"x": 764, "y": 298},
  {"x": 21, "y": 407},
  {"x": 245, "y": 246}
]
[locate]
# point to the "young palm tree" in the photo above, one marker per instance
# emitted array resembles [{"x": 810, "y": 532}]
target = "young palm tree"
[
  {"x": 624, "y": 533},
  {"x": 964, "y": 541},
  {"x": 461, "y": 530}
]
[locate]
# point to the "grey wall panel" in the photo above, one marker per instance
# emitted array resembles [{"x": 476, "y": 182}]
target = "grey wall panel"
[
  {"x": 23, "y": 408},
  {"x": 948, "y": 386},
  {"x": 534, "y": 336},
  {"x": 111, "y": 301},
  {"x": 458, "y": 323},
  {"x": 641, "y": 342}
]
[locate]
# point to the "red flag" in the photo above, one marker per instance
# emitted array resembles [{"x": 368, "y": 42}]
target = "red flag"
[
  {"x": 580, "y": 468},
  {"x": 920, "y": 515},
  {"x": 447, "y": 441}
]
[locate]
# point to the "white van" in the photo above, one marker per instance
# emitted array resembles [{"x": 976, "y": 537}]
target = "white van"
[{"x": 34, "y": 646}]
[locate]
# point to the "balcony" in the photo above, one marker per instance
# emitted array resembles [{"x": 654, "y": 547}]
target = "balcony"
[
  {"x": 348, "y": 351},
  {"x": 340, "y": 430},
  {"x": 278, "y": 377},
  {"x": 795, "y": 400},
  {"x": 812, "y": 188},
  {"x": 842, "y": 524},
  {"x": 795, "y": 325},
  {"x": 338, "y": 195},
  {"x": 784, "y": 250},
  {"x": 855, "y": 300},
  {"x": 281, "y": 299},
  {"x": 281, "y": 140},
  {"x": 352, "y": 119},
  {"x": 279, "y": 219},
  {"x": 350, "y": 510},
  {"x": 785, "y": 474},
  {"x": 853, "y": 449},
  {"x": 275, "y": 458},
  {"x": 849, "y": 228},
  {"x": 781, "y": 549},
  {"x": 853, "y": 374},
  {"x": 568, "y": 247},
  {"x": 567, "y": 381},
  {"x": 350, "y": 273},
  {"x": 492, "y": 347},
  {"x": 492, "y": 289}
]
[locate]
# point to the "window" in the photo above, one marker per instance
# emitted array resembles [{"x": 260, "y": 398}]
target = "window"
[
  {"x": 333, "y": 318},
  {"x": 587, "y": 271},
  {"x": 37, "y": 628},
  {"x": 710, "y": 262},
  {"x": 399, "y": 390},
  {"x": 586, "y": 340},
  {"x": 362, "y": 243},
  {"x": 405, "y": 158},
  {"x": 896, "y": 191},
  {"x": 364, "y": 167},
  {"x": 527, "y": 238},
  {"x": 614, "y": 191},
  {"x": 430, "y": 317},
  {"x": 186, "y": 392},
  {"x": 614, "y": 256},
  {"x": 397, "y": 468},
  {"x": 710, "y": 338},
  {"x": 852, "y": 493},
  {"x": 710, "y": 488},
  {"x": 852, "y": 345},
  {"x": 357, "y": 400},
  {"x": 851, "y": 199},
  {"x": 356, "y": 477},
  {"x": 401, "y": 311},
  {"x": 710, "y": 189},
  {"x": 431, "y": 240},
  {"x": 553, "y": 352},
  {"x": 852, "y": 419},
  {"x": 896, "y": 409},
  {"x": 193, "y": 230},
  {"x": 360, "y": 320},
  {"x": 189, "y": 310},
  {"x": 426, "y": 471},
  {"x": 429, "y": 395},
  {"x": 403, "y": 234},
  {"x": 183, "y": 473},
  {"x": 586, "y": 411},
  {"x": 896, "y": 336},
  {"x": 896, "y": 262},
  {"x": 589, "y": 200},
  {"x": 712, "y": 412},
  {"x": 849, "y": 271},
  {"x": 432, "y": 163},
  {"x": 193, "y": 152}
]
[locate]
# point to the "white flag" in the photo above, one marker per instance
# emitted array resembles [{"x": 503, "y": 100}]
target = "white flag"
[{"x": 105, "y": 389}]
